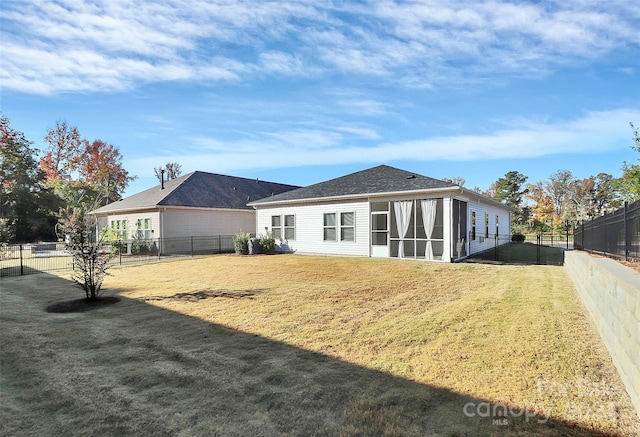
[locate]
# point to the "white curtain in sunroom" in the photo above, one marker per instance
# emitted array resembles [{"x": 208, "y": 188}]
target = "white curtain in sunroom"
[
  {"x": 429, "y": 221},
  {"x": 403, "y": 218}
]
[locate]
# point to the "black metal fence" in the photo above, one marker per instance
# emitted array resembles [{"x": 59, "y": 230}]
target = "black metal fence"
[
  {"x": 616, "y": 234},
  {"x": 564, "y": 241},
  {"x": 25, "y": 259},
  {"x": 544, "y": 249}
]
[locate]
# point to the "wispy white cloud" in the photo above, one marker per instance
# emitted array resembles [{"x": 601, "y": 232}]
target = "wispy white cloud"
[
  {"x": 362, "y": 106},
  {"x": 593, "y": 133},
  {"x": 67, "y": 45}
]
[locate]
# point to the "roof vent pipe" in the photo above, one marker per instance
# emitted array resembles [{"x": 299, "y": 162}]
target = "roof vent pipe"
[{"x": 162, "y": 179}]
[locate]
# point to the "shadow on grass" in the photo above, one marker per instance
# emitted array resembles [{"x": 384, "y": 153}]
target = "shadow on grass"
[
  {"x": 521, "y": 253},
  {"x": 6, "y": 272},
  {"x": 136, "y": 369}
]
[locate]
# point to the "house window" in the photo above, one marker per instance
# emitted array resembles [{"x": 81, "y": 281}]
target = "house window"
[
  {"x": 119, "y": 228},
  {"x": 143, "y": 229},
  {"x": 473, "y": 225},
  {"x": 486, "y": 225},
  {"x": 347, "y": 226},
  {"x": 289, "y": 227},
  {"x": 330, "y": 227},
  {"x": 276, "y": 227}
]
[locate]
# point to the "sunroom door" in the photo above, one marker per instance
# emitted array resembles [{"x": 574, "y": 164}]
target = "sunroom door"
[{"x": 380, "y": 234}]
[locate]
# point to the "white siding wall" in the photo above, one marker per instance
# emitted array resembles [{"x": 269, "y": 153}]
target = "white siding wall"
[
  {"x": 481, "y": 243},
  {"x": 310, "y": 225},
  {"x": 132, "y": 219},
  {"x": 194, "y": 222}
]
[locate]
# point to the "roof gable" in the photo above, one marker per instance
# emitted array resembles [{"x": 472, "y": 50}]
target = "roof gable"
[
  {"x": 201, "y": 190},
  {"x": 375, "y": 180}
]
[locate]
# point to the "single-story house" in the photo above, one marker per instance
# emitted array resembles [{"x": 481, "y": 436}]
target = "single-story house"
[
  {"x": 196, "y": 204},
  {"x": 384, "y": 212}
]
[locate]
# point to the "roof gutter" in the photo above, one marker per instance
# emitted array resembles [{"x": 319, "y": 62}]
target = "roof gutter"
[
  {"x": 354, "y": 196},
  {"x": 453, "y": 189},
  {"x": 485, "y": 199}
]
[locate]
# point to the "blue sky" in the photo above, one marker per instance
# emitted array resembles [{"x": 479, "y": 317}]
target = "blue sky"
[{"x": 303, "y": 91}]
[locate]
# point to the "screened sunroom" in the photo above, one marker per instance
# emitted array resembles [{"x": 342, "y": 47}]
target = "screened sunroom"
[{"x": 408, "y": 229}]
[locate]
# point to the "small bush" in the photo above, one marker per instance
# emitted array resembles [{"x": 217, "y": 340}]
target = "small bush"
[
  {"x": 110, "y": 237},
  {"x": 241, "y": 243},
  {"x": 90, "y": 260},
  {"x": 267, "y": 243},
  {"x": 140, "y": 246},
  {"x": 517, "y": 238}
]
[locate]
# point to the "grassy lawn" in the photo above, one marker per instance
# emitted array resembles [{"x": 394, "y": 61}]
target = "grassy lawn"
[{"x": 295, "y": 345}]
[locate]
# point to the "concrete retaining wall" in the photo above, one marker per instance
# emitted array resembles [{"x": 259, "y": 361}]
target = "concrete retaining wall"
[{"x": 611, "y": 293}]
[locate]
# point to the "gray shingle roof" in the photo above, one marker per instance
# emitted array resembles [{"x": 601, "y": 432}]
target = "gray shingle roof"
[
  {"x": 200, "y": 190},
  {"x": 376, "y": 180}
]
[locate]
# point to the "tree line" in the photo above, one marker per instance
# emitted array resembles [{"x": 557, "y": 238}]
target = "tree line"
[
  {"x": 563, "y": 200},
  {"x": 74, "y": 173},
  {"x": 37, "y": 191}
]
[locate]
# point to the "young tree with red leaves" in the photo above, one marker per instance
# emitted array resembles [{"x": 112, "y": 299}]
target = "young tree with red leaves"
[
  {"x": 101, "y": 168},
  {"x": 82, "y": 172},
  {"x": 63, "y": 157}
]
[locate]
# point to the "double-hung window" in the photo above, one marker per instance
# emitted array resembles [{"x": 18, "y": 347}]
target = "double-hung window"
[
  {"x": 283, "y": 229},
  {"x": 347, "y": 226},
  {"x": 289, "y": 227},
  {"x": 276, "y": 227},
  {"x": 330, "y": 227},
  {"x": 144, "y": 229},
  {"x": 343, "y": 230}
]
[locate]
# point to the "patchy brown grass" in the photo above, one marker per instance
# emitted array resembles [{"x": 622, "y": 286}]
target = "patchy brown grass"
[{"x": 298, "y": 345}]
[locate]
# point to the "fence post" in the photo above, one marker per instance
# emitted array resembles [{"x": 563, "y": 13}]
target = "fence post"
[
  {"x": 606, "y": 242},
  {"x": 627, "y": 232},
  {"x": 219, "y": 243},
  {"x": 21, "y": 264},
  {"x": 192, "y": 245}
]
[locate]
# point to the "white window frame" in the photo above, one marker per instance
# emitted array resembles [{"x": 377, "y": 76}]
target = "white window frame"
[
  {"x": 276, "y": 230},
  {"x": 289, "y": 229},
  {"x": 326, "y": 227},
  {"x": 119, "y": 227},
  {"x": 143, "y": 229},
  {"x": 352, "y": 226}
]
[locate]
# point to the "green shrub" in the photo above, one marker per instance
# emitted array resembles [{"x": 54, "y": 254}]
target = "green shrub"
[
  {"x": 517, "y": 238},
  {"x": 139, "y": 246},
  {"x": 109, "y": 236},
  {"x": 241, "y": 243},
  {"x": 267, "y": 243}
]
